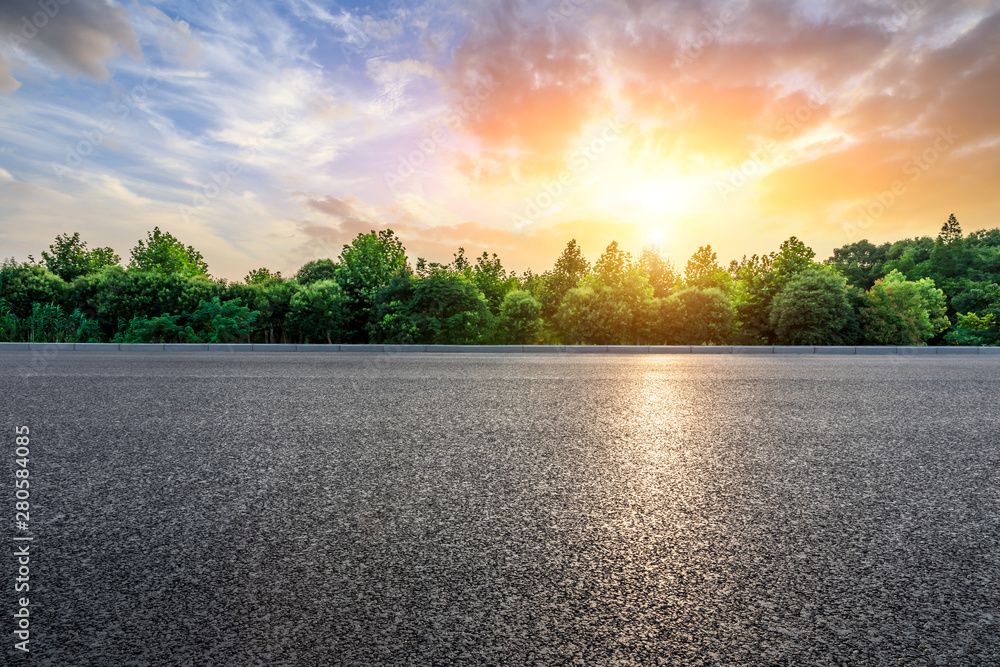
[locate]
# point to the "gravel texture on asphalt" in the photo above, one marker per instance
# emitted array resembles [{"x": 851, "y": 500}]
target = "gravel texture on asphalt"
[{"x": 438, "y": 509}]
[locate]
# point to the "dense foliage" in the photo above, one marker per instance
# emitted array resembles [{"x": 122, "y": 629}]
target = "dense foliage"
[{"x": 917, "y": 291}]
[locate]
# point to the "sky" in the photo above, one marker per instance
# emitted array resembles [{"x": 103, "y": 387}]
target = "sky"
[{"x": 272, "y": 133}]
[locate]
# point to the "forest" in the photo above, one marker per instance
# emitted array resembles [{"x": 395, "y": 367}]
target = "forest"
[{"x": 916, "y": 291}]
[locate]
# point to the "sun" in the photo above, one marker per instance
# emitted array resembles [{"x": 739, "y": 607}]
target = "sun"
[
  {"x": 661, "y": 195},
  {"x": 650, "y": 191},
  {"x": 657, "y": 203}
]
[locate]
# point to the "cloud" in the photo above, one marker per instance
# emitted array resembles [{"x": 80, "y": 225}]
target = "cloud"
[
  {"x": 967, "y": 74},
  {"x": 174, "y": 38},
  {"x": 78, "y": 37},
  {"x": 7, "y": 82},
  {"x": 340, "y": 209},
  {"x": 543, "y": 83},
  {"x": 393, "y": 79},
  {"x": 699, "y": 80},
  {"x": 315, "y": 106},
  {"x": 917, "y": 96}
]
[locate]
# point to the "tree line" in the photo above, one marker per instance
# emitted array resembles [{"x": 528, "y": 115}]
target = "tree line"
[{"x": 916, "y": 291}]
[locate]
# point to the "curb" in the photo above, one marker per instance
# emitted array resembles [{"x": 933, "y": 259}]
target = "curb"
[{"x": 501, "y": 349}]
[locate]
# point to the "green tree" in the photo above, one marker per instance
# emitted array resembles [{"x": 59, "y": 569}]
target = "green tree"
[
  {"x": 616, "y": 278},
  {"x": 492, "y": 280},
  {"x": 898, "y": 311},
  {"x": 216, "y": 321},
  {"x": 272, "y": 299},
  {"x": 448, "y": 309},
  {"x": 23, "y": 284},
  {"x": 70, "y": 258},
  {"x": 318, "y": 312},
  {"x": 160, "y": 329},
  {"x": 532, "y": 283},
  {"x": 793, "y": 256},
  {"x": 8, "y": 322},
  {"x": 316, "y": 270},
  {"x": 278, "y": 299},
  {"x": 612, "y": 266},
  {"x": 694, "y": 316},
  {"x": 979, "y": 323},
  {"x": 659, "y": 271},
  {"x": 460, "y": 263},
  {"x": 759, "y": 280},
  {"x": 948, "y": 259},
  {"x": 520, "y": 321},
  {"x": 571, "y": 267},
  {"x": 161, "y": 252},
  {"x": 934, "y": 303},
  {"x": 985, "y": 238},
  {"x": 978, "y": 298},
  {"x": 951, "y": 231},
  {"x": 47, "y": 323},
  {"x": 395, "y": 321},
  {"x": 606, "y": 306},
  {"x": 812, "y": 309},
  {"x": 911, "y": 257},
  {"x": 972, "y": 329},
  {"x": 593, "y": 315},
  {"x": 862, "y": 263},
  {"x": 753, "y": 292},
  {"x": 366, "y": 267},
  {"x": 703, "y": 271},
  {"x": 116, "y": 294},
  {"x": 261, "y": 276}
]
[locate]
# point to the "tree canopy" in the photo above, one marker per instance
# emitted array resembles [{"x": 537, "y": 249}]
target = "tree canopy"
[
  {"x": 161, "y": 252},
  {"x": 916, "y": 291},
  {"x": 69, "y": 258},
  {"x": 812, "y": 309}
]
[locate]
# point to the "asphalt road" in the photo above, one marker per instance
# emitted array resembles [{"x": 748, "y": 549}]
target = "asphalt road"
[{"x": 301, "y": 509}]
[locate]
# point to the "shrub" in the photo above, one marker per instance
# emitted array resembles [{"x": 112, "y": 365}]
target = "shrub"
[
  {"x": 812, "y": 309},
  {"x": 318, "y": 312},
  {"x": 520, "y": 320},
  {"x": 695, "y": 316},
  {"x": 216, "y": 321}
]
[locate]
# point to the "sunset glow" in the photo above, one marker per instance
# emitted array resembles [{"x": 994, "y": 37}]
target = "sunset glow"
[{"x": 271, "y": 133}]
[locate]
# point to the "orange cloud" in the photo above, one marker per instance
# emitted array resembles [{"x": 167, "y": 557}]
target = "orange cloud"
[
  {"x": 853, "y": 103},
  {"x": 545, "y": 89}
]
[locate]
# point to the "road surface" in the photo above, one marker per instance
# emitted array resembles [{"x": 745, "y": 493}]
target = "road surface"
[{"x": 313, "y": 509}]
